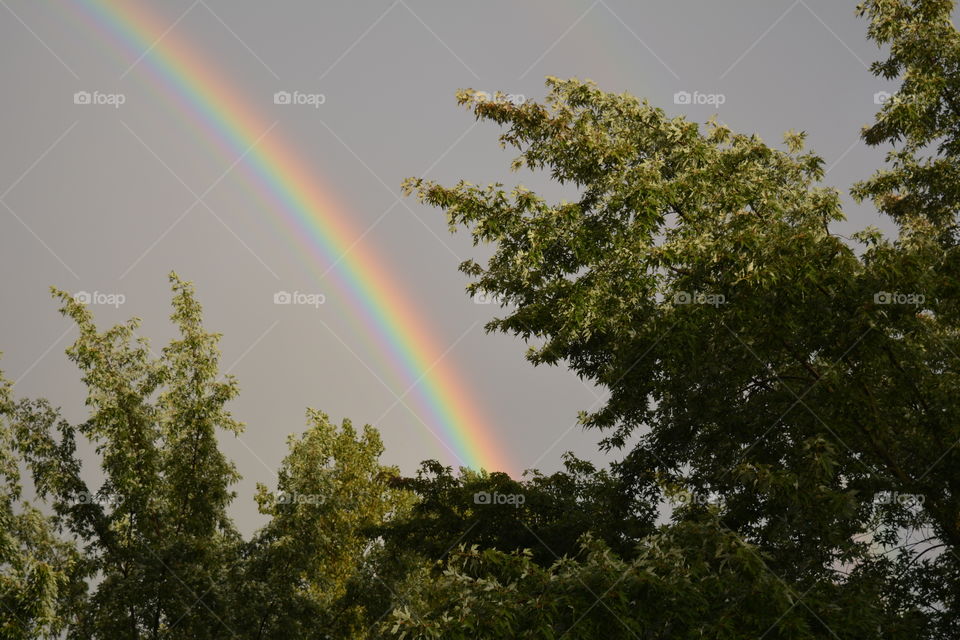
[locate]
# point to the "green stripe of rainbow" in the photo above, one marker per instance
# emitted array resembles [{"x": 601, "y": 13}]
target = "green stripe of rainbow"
[{"x": 315, "y": 220}]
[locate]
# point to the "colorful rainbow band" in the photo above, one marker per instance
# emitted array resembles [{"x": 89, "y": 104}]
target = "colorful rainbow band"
[{"x": 313, "y": 219}]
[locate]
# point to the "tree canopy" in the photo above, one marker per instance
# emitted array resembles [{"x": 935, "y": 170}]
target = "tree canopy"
[
  {"x": 783, "y": 406},
  {"x": 754, "y": 358}
]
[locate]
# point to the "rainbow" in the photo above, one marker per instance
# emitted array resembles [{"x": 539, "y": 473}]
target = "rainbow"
[{"x": 316, "y": 222}]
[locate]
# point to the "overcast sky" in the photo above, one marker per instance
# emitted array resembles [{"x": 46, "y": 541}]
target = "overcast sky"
[{"x": 104, "y": 198}]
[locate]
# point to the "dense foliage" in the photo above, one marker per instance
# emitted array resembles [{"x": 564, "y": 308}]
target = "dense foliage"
[
  {"x": 784, "y": 402},
  {"x": 753, "y": 357},
  {"x": 152, "y": 552},
  {"x": 544, "y": 514}
]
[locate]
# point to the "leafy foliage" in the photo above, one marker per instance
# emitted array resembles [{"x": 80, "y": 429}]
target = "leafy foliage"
[
  {"x": 787, "y": 397},
  {"x": 545, "y": 513},
  {"x": 752, "y": 356},
  {"x": 301, "y": 566},
  {"x": 693, "y": 580},
  {"x": 154, "y": 542},
  {"x": 40, "y": 571}
]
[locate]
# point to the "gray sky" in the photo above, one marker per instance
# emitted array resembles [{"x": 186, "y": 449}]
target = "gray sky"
[{"x": 92, "y": 198}]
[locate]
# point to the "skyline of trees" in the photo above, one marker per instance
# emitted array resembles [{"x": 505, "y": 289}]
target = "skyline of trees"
[{"x": 783, "y": 401}]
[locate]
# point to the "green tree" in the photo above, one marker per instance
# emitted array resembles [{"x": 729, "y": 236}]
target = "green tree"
[
  {"x": 752, "y": 356},
  {"x": 690, "y": 581},
  {"x": 793, "y": 394},
  {"x": 42, "y": 574},
  {"x": 546, "y": 514},
  {"x": 152, "y": 551},
  {"x": 155, "y": 535},
  {"x": 331, "y": 492}
]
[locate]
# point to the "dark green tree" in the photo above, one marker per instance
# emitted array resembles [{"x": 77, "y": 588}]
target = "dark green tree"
[
  {"x": 155, "y": 535},
  {"x": 546, "y": 514},
  {"x": 689, "y": 581},
  {"x": 151, "y": 552},
  {"x": 805, "y": 383},
  {"x": 42, "y": 575},
  {"x": 301, "y": 571}
]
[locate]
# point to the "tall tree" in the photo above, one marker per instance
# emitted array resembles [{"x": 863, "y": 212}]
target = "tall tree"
[
  {"x": 299, "y": 576},
  {"x": 42, "y": 574},
  {"x": 152, "y": 552},
  {"x": 155, "y": 534},
  {"x": 752, "y": 356}
]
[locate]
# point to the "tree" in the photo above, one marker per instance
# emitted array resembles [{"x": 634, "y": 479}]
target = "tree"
[
  {"x": 300, "y": 573},
  {"x": 791, "y": 394},
  {"x": 546, "y": 514},
  {"x": 152, "y": 552},
  {"x": 40, "y": 576},
  {"x": 752, "y": 356},
  {"x": 155, "y": 535},
  {"x": 693, "y": 580}
]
